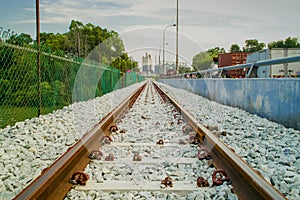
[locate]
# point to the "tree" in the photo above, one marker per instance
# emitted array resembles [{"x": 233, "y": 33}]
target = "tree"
[
  {"x": 215, "y": 51},
  {"x": 288, "y": 43},
  {"x": 55, "y": 43},
  {"x": 253, "y": 45},
  {"x": 235, "y": 48},
  {"x": 93, "y": 43},
  {"x": 124, "y": 63},
  {"x": 183, "y": 70},
  {"x": 23, "y": 39},
  {"x": 202, "y": 61},
  {"x": 291, "y": 43},
  {"x": 89, "y": 42}
]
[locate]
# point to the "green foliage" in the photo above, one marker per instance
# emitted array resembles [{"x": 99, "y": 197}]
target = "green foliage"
[
  {"x": 252, "y": 45},
  {"x": 215, "y": 51},
  {"x": 56, "y": 43},
  {"x": 183, "y": 70},
  {"x": 235, "y": 48},
  {"x": 124, "y": 63},
  {"x": 93, "y": 42},
  {"x": 4, "y": 87},
  {"x": 202, "y": 61},
  {"x": 59, "y": 94},
  {"x": 21, "y": 40},
  {"x": 5, "y": 58},
  {"x": 90, "y": 42},
  {"x": 19, "y": 97},
  {"x": 288, "y": 43}
]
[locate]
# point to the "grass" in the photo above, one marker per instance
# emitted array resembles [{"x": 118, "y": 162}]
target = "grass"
[{"x": 11, "y": 115}]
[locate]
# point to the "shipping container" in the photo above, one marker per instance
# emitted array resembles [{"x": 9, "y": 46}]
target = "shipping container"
[
  {"x": 231, "y": 59},
  {"x": 276, "y": 71}
]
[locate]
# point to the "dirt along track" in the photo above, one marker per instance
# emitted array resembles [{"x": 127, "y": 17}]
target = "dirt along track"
[{"x": 159, "y": 151}]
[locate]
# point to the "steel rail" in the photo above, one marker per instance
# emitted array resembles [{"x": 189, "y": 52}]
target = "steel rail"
[
  {"x": 53, "y": 183},
  {"x": 247, "y": 183}
]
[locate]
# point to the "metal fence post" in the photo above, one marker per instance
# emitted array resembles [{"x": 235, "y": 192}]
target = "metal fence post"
[{"x": 38, "y": 38}]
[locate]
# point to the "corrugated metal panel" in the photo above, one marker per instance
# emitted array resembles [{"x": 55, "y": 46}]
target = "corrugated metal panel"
[
  {"x": 224, "y": 60},
  {"x": 257, "y": 56},
  {"x": 263, "y": 71},
  {"x": 230, "y": 59},
  {"x": 275, "y": 71},
  {"x": 238, "y": 58},
  {"x": 279, "y": 70}
]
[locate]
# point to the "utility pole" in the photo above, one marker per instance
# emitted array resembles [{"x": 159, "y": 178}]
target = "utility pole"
[
  {"x": 164, "y": 46},
  {"x": 177, "y": 25}
]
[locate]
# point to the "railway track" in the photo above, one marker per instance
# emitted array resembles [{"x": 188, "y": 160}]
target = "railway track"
[{"x": 149, "y": 147}]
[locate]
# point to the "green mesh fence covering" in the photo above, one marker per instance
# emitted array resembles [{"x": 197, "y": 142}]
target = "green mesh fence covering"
[{"x": 19, "y": 96}]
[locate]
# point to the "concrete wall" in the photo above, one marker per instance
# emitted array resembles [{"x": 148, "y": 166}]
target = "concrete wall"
[{"x": 275, "y": 99}]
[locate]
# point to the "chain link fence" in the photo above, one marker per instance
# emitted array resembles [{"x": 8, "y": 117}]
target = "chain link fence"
[{"x": 19, "y": 81}]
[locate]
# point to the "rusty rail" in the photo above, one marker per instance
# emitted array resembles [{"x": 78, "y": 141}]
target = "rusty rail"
[
  {"x": 247, "y": 183},
  {"x": 53, "y": 183}
]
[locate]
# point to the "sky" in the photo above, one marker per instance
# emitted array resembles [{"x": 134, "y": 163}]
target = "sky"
[{"x": 142, "y": 24}]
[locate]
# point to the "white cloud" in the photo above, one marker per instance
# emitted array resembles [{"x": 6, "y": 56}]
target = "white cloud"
[{"x": 206, "y": 23}]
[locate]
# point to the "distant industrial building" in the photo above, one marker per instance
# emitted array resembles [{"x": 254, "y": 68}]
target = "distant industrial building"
[
  {"x": 147, "y": 64},
  {"x": 170, "y": 67}
]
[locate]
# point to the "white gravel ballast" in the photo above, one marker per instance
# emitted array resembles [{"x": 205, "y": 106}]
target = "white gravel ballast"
[
  {"x": 146, "y": 123},
  {"x": 32, "y": 145},
  {"x": 270, "y": 148}
]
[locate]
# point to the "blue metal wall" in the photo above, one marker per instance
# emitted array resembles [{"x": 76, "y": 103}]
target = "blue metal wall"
[{"x": 275, "y": 99}]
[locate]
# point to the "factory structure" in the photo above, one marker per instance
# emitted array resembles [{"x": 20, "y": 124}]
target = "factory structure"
[
  {"x": 147, "y": 65},
  {"x": 150, "y": 69}
]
